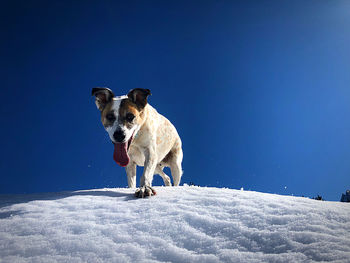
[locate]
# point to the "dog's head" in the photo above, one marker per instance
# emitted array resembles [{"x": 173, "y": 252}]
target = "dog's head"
[{"x": 122, "y": 117}]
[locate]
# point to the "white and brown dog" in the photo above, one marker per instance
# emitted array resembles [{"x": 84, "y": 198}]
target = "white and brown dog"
[{"x": 141, "y": 136}]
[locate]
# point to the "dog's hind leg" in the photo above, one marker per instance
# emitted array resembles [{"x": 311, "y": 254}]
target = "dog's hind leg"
[
  {"x": 175, "y": 164},
  {"x": 176, "y": 172},
  {"x": 166, "y": 179}
]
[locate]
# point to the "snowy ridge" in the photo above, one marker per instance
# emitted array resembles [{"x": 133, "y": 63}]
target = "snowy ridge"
[{"x": 179, "y": 224}]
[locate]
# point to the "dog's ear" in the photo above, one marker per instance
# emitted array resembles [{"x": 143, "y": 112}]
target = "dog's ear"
[
  {"x": 103, "y": 96},
  {"x": 139, "y": 97}
]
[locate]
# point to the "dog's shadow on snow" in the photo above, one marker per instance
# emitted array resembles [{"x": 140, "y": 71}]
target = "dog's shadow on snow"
[{"x": 7, "y": 200}]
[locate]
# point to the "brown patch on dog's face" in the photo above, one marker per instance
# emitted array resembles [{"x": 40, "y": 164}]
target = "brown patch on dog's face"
[
  {"x": 108, "y": 116},
  {"x": 129, "y": 114}
]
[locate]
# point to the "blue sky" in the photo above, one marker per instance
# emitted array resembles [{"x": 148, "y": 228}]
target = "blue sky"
[{"x": 258, "y": 90}]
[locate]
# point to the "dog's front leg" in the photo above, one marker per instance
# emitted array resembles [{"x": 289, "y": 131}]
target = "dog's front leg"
[
  {"x": 131, "y": 174},
  {"x": 148, "y": 172}
]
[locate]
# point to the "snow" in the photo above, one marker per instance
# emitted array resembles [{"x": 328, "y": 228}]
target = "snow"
[{"x": 179, "y": 224}]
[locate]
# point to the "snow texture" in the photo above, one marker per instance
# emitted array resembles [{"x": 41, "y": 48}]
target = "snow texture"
[{"x": 179, "y": 224}]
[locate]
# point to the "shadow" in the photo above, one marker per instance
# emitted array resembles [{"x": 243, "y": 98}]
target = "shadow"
[
  {"x": 11, "y": 199},
  {"x": 9, "y": 214}
]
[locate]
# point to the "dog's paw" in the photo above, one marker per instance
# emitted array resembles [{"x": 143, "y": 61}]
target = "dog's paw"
[{"x": 145, "y": 191}]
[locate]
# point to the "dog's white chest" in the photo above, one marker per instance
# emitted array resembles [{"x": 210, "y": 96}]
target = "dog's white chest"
[{"x": 137, "y": 155}]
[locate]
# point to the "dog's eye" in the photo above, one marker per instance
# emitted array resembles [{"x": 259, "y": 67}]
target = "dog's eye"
[
  {"x": 110, "y": 117},
  {"x": 129, "y": 117}
]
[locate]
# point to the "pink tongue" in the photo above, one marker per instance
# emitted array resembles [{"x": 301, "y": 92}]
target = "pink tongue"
[{"x": 121, "y": 154}]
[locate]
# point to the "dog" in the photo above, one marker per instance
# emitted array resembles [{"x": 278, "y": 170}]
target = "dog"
[{"x": 141, "y": 136}]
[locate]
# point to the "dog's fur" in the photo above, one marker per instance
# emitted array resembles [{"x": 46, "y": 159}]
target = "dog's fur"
[{"x": 152, "y": 140}]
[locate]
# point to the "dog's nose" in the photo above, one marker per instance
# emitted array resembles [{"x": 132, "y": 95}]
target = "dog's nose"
[{"x": 119, "y": 136}]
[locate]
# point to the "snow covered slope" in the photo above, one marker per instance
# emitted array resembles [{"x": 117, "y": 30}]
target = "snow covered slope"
[{"x": 180, "y": 224}]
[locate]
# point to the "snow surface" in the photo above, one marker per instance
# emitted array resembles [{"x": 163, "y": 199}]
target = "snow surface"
[{"x": 179, "y": 224}]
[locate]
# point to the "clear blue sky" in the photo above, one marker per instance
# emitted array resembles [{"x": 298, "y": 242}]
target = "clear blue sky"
[{"x": 258, "y": 90}]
